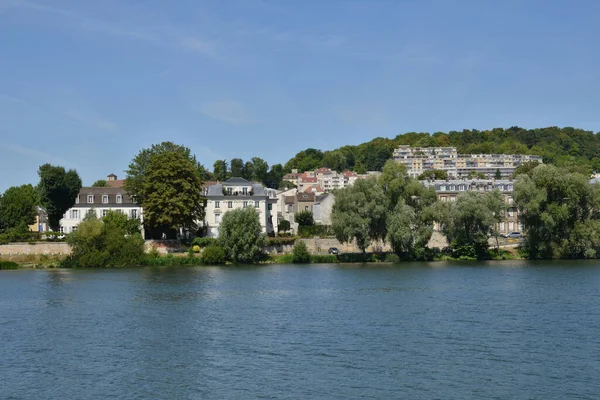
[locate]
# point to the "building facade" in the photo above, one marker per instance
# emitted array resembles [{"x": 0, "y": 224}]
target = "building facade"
[
  {"x": 449, "y": 190},
  {"x": 420, "y": 159},
  {"x": 324, "y": 179},
  {"x": 236, "y": 193},
  {"x": 99, "y": 201}
]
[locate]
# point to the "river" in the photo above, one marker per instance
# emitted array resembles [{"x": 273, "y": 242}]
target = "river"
[{"x": 503, "y": 330}]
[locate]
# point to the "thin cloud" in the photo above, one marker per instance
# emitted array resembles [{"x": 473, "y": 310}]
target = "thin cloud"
[
  {"x": 89, "y": 118},
  {"x": 38, "y": 155},
  {"x": 199, "y": 46},
  {"x": 231, "y": 112}
]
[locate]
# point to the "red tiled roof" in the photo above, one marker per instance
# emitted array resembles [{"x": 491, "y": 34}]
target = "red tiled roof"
[
  {"x": 116, "y": 183},
  {"x": 308, "y": 179},
  {"x": 306, "y": 197},
  {"x": 350, "y": 173},
  {"x": 323, "y": 170},
  {"x": 313, "y": 188}
]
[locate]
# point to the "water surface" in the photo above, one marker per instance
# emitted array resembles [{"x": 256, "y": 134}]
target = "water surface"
[{"x": 510, "y": 330}]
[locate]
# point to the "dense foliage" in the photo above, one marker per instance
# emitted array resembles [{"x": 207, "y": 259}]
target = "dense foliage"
[
  {"x": 100, "y": 183},
  {"x": 109, "y": 242},
  {"x": 18, "y": 208},
  {"x": 57, "y": 189},
  {"x": 213, "y": 255},
  {"x": 240, "y": 236},
  {"x": 304, "y": 218},
  {"x": 255, "y": 170},
  {"x": 284, "y": 225},
  {"x": 569, "y": 147},
  {"x": 300, "y": 253},
  {"x": 166, "y": 180},
  {"x": 560, "y": 213}
]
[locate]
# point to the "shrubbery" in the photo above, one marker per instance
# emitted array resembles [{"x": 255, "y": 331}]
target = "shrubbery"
[
  {"x": 203, "y": 242},
  {"x": 213, "y": 255},
  {"x": 300, "y": 253},
  {"x": 315, "y": 230},
  {"x": 281, "y": 240},
  {"x": 8, "y": 265}
]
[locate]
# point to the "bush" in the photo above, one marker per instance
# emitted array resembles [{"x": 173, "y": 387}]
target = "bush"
[
  {"x": 300, "y": 253},
  {"x": 240, "y": 235},
  {"x": 284, "y": 225},
  {"x": 315, "y": 230},
  {"x": 203, "y": 242},
  {"x": 323, "y": 258},
  {"x": 213, "y": 255},
  {"x": 281, "y": 240},
  {"x": 304, "y": 218},
  {"x": 8, "y": 265}
]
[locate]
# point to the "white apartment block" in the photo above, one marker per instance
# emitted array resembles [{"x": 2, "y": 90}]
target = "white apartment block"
[
  {"x": 421, "y": 159},
  {"x": 99, "y": 201},
  {"x": 236, "y": 193},
  {"x": 324, "y": 179}
]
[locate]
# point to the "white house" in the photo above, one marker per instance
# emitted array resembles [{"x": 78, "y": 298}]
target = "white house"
[
  {"x": 238, "y": 193},
  {"x": 99, "y": 200}
]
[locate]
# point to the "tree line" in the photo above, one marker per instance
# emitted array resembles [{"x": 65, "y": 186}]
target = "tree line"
[
  {"x": 576, "y": 149},
  {"x": 559, "y": 210}
]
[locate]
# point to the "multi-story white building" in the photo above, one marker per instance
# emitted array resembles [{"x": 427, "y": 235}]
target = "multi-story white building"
[
  {"x": 324, "y": 179},
  {"x": 99, "y": 200},
  {"x": 421, "y": 159},
  {"x": 238, "y": 193},
  {"x": 449, "y": 190}
]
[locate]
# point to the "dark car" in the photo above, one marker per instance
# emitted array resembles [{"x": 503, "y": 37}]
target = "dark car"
[
  {"x": 513, "y": 235},
  {"x": 334, "y": 250}
]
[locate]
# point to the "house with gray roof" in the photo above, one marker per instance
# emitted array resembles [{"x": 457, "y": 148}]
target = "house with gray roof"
[{"x": 237, "y": 193}]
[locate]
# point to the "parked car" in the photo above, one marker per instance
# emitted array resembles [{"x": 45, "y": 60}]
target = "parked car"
[
  {"x": 513, "y": 235},
  {"x": 333, "y": 250}
]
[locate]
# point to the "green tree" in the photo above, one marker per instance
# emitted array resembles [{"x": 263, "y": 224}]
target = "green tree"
[
  {"x": 304, "y": 218},
  {"x": 526, "y": 168},
  {"x": 135, "y": 180},
  {"x": 100, "y": 183},
  {"x": 18, "y": 207},
  {"x": 248, "y": 172},
  {"x": 220, "y": 170},
  {"x": 300, "y": 253},
  {"x": 559, "y": 212},
  {"x": 284, "y": 225},
  {"x": 475, "y": 175},
  {"x": 438, "y": 174},
  {"x": 401, "y": 224},
  {"x": 335, "y": 160},
  {"x": 359, "y": 213},
  {"x": 275, "y": 177},
  {"x": 240, "y": 236},
  {"x": 261, "y": 169},
  {"x": 105, "y": 243},
  {"x": 120, "y": 220},
  {"x": 498, "y": 174},
  {"x": 173, "y": 190},
  {"x": 237, "y": 167},
  {"x": 57, "y": 189},
  {"x": 470, "y": 224}
]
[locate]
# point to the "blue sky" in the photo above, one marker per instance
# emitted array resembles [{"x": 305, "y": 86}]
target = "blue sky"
[{"x": 87, "y": 84}]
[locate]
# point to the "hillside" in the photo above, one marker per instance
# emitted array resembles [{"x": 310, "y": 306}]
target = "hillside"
[{"x": 566, "y": 146}]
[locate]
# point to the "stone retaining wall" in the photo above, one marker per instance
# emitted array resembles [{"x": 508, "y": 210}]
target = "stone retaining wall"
[{"x": 37, "y": 248}]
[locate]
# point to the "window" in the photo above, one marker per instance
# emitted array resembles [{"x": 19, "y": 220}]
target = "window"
[
  {"x": 119, "y": 199},
  {"x": 62, "y": 229},
  {"x": 511, "y": 213},
  {"x": 218, "y": 218},
  {"x": 289, "y": 208},
  {"x": 77, "y": 199},
  {"x": 270, "y": 207},
  {"x": 305, "y": 208},
  {"x": 244, "y": 191},
  {"x": 510, "y": 200},
  {"x": 453, "y": 198},
  {"x": 73, "y": 229},
  {"x": 217, "y": 204},
  {"x": 511, "y": 226},
  {"x": 501, "y": 226},
  {"x": 245, "y": 204},
  {"x": 74, "y": 214},
  {"x": 104, "y": 198},
  {"x": 230, "y": 204},
  {"x": 256, "y": 204},
  {"x": 90, "y": 198},
  {"x": 133, "y": 214},
  {"x": 229, "y": 191},
  {"x": 104, "y": 213}
]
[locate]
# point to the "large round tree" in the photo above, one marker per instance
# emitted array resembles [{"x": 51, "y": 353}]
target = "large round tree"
[{"x": 240, "y": 235}]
